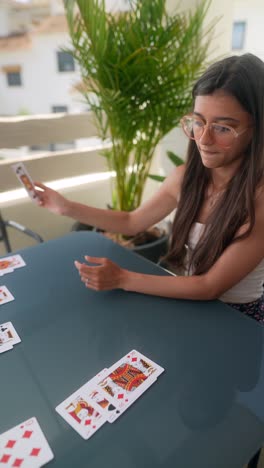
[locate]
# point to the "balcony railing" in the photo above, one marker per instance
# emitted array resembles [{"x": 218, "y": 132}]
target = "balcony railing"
[
  {"x": 79, "y": 173},
  {"x": 28, "y": 131}
]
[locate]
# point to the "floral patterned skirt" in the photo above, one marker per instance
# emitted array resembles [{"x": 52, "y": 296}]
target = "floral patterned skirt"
[{"x": 253, "y": 309}]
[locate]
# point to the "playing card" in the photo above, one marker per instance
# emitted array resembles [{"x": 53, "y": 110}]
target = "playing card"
[
  {"x": 5, "y": 271},
  {"x": 5, "y": 347},
  {"x": 25, "y": 179},
  {"x": 5, "y": 267},
  {"x": 8, "y": 334},
  {"x": 8, "y": 264},
  {"x": 5, "y": 295},
  {"x": 25, "y": 446},
  {"x": 103, "y": 404},
  {"x": 128, "y": 378},
  {"x": 12, "y": 262},
  {"x": 80, "y": 412}
]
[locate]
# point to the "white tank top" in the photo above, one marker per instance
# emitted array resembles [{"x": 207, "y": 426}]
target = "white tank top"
[{"x": 248, "y": 289}]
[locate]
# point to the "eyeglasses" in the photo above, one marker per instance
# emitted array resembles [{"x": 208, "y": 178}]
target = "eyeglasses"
[{"x": 194, "y": 128}]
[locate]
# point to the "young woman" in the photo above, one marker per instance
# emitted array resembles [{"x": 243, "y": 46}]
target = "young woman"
[{"x": 218, "y": 233}]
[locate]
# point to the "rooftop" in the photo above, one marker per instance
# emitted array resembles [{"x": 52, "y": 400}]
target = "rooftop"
[
  {"x": 15, "y": 42},
  {"x": 52, "y": 24}
]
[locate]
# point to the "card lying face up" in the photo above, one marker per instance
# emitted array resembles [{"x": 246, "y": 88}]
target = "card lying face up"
[
  {"x": 109, "y": 394},
  {"x": 5, "y": 295},
  {"x": 80, "y": 412},
  {"x": 8, "y": 337},
  {"x": 8, "y": 264},
  {"x": 25, "y": 446},
  {"x": 119, "y": 387},
  {"x": 128, "y": 378}
]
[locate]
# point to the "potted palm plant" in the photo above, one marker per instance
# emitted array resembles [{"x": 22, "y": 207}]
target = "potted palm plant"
[{"x": 138, "y": 68}]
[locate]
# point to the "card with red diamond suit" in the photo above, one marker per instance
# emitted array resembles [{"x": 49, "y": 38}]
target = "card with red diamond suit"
[
  {"x": 128, "y": 378},
  {"x": 8, "y": 264},
  {"x": 103, "y": 404},
  {"x": 5, "y": 295},
  {"x": 25, "y": 446},
  {"x": 8, "y": 337},
  {"x": 80, "y": 412}
]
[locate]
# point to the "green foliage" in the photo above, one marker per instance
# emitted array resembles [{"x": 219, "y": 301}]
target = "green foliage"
[
  {"x": 176, "y": 160},
  {"x": 138, "y": 69}
]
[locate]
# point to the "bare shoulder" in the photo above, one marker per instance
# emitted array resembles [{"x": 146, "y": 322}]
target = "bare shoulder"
[{"x": 173, "y": 182}]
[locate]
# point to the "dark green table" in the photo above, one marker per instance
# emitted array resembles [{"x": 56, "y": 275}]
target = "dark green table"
[{"x": 205, "y": 411}]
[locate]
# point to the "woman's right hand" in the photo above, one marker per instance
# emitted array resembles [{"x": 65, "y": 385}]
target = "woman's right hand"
[{"x": 50, "y": 199}]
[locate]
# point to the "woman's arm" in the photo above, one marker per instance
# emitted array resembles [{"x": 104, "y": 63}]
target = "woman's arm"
[
  {"x": 127, "y": 223},
  {"x": 238, "y": 260}
]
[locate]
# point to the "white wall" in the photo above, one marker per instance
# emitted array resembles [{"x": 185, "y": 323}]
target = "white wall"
[
  {"x": 21, "y": 16},
  {"x": 218, "y": 8},
  {"x": 253, "y": 13},
  {"x": 42, "y": 84},
  {"x": 114, "y": 5},
  {"x": 4, "y": 19}
]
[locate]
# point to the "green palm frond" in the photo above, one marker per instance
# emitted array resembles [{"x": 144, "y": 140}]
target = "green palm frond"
[
  {"x": 138, "y": 69},
  {"x": 174, "y": 158}
]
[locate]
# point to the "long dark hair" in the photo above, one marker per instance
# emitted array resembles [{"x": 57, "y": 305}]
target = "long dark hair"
[{"x": 242, "y": 77}]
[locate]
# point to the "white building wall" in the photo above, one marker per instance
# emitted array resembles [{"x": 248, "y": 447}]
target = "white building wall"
[
  {"x": 4, "y": 19},
  {"x": 43, "y": 86},
  {"x": 56, "y": 7},
  {"x": 222, "y": 9},
  {"x": 253, "y": 14},
  {"x": 21, "y": 17}
]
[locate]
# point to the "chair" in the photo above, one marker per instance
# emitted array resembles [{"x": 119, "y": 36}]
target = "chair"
[{"x": 19, "y": 227}]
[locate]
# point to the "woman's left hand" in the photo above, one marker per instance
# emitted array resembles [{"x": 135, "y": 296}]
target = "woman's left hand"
[{"x": 103, "y": 276}]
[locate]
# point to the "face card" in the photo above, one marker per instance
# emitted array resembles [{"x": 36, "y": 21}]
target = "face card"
[
  {"x": 12, "y": 262},
  {"x": 8, "y": 334},
  {"x": 80, "y": 412},
  {"x": 5, "y": 266},
  {"x": 128, "y": 378},
  {"x": 5, "y": 295},
  {"x": 25, "y": 446},
  {"x": 103, "y": 404},
  {"x": 25, "y": 179}
]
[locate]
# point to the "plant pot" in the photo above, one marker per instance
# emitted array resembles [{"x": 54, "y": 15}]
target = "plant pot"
[{"x": 152, "y": 250}]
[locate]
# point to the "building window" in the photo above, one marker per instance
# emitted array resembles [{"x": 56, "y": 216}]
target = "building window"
[
  {"x": 58, "y": 109},
  {"x": 238, "y": 36},
  {"x": 65, "y": 62},
  {"x": 14, "y": 78}
]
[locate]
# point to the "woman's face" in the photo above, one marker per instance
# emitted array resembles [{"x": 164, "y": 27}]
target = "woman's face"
[{"x": 223, "y": 109}]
